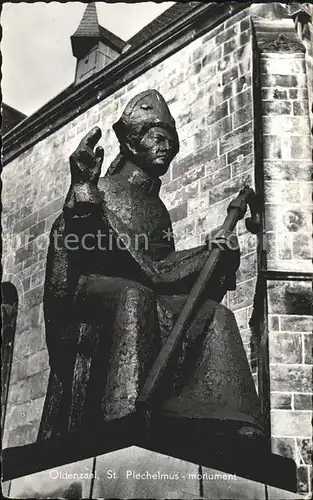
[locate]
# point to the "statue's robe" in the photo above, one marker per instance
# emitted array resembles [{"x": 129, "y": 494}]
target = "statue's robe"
[{"x": 132, "y": 292}]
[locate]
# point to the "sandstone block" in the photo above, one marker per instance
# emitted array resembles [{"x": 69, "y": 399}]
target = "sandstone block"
[
  {"x": 242, "y": 15},
  {"x": 216, "y": 164},
  {"x": 24, "y": 434},
  {"x": 301, "y": 93},
  {"x": 183, "y": 229},
  {"x": 271, "y": 245},
  {"x": 25, "y": 252},
  {"x": 221, "y": 127},
  {"x": 230, "y": 46},
  {"x": 241, "y": 318},
  {"x": 242, "y": 84},
  {"x": 224, "y": 63},
  {"x": 281, "y": 401},
  {"x": 218, "y": 113},
  {"x": 273, "y": 322},
  {"x": 240, "y": 165},
  {"x": 285, "y": 347},
  {"x": 303, "y": 479},
  {"x": 197, "y": 53},
  {"x": 238, "y": 154},
  {"x": 235, "y": 140},
  {"x": 245, "y": 37},
  {"x": 283, "y": 219},
  {"x": 37, "y": 279},
  {"x": 284, "y": 446},
  {"x": 287, "y": 170},
  {"x": 36, "y": 230},
  {"x": 230, "y": 75},
  {"x": 247, "y": 269},
  {"x": 25, "y": 413},
  {"x": 240, "y": 100},
  {"x": 302, "y": 246},
  {"x": 276, "y": 80},
  {"x": 201, "y": 139},
  {"x": 181, "y": 166},
  {"x": 32, "y": 387},
  {"x": 284, "y": 246},
  {"x": 297, "y": 323},
  {"x": 246, "y": 336},
  {"x": 278, "y": 107},
  {"x": 30, "y": 365},
  {"x": 290, "y": 423},
  {"x": 303, "y": 401},
  {"x": 33, "y": 298},
  {"x": 282, "y": 66},
  {"x": 197, "y": 67},
  {"x": 245, "y": 24},
  {"x": 190, "y": 177},
  {"x": 50, "y": 208},
  {"x": 25, "y": 222},
  {"x": 176, "y": 197},
  {"x": 306, "y": 189},
  {"x": 294, "y": 125},
  {"x": 289, "y": 297},
  {"x": 300, "y": 108},
  {"x": 227, "y": 34},
  {"x": 211, "y": 56},
  {"x": 308, "y": 354},
  {"x": 179, "y": 212},
  {"x": 219, "y": 176},
  {"x": 223, "y": 92},
  {"x": 206, "y": 154},
  {"x": 287, "y": 378},
  {"x": 229, "y": 188},
  {"x": 29, "y": 342},
  {"x": 243, "y": 295},
  {"x": 244, "y": 115},
  {"x": 274, "y": 93},
  {"x": 301, "y": 149}
]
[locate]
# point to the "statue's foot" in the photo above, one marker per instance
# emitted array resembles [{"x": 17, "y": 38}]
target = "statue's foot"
[
  {"x": 250, "y": 432},
  {"x": 252, "y": 437}
]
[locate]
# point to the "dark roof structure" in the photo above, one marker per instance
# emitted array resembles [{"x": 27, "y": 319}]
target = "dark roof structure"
[
  {"x": 10, "y": 118},
  {"x": 89, "y": 25},
  {"x": 164, "y": 20},
  {"x": 89, "y": 32}
]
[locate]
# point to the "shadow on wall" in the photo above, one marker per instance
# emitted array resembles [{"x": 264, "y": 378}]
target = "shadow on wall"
[{"x": 9, "y": 307}]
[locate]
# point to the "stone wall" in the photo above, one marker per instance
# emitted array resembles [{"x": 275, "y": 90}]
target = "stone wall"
[
  {"x": 287, "y": 161},
  {"x": 290, "y": 346},
  {"x": 136, "y": 473},
  {"x": 208, "y": 88},
  {"x": 308, "y": 43}
]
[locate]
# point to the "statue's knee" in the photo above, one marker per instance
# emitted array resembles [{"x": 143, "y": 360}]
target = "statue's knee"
[
  {"x": 222, "y": 313},
  {"x": 138, "y": 294}
]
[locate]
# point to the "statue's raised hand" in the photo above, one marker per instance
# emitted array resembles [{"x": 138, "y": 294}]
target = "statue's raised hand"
[
  {"x": 86, "y": 161},
  {"x": 85, "y": 165}
]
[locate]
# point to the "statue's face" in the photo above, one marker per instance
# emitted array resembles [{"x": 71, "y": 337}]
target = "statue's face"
[{"x": 156, "y": 151}]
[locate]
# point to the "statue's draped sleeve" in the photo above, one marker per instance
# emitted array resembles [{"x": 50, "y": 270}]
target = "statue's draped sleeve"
[{"x": 67, "y": 262}]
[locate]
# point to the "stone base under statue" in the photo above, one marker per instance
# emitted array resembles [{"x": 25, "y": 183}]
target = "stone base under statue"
[
  {"x": 239, "y": 456},
  {"x": 135, "y": 472}
]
